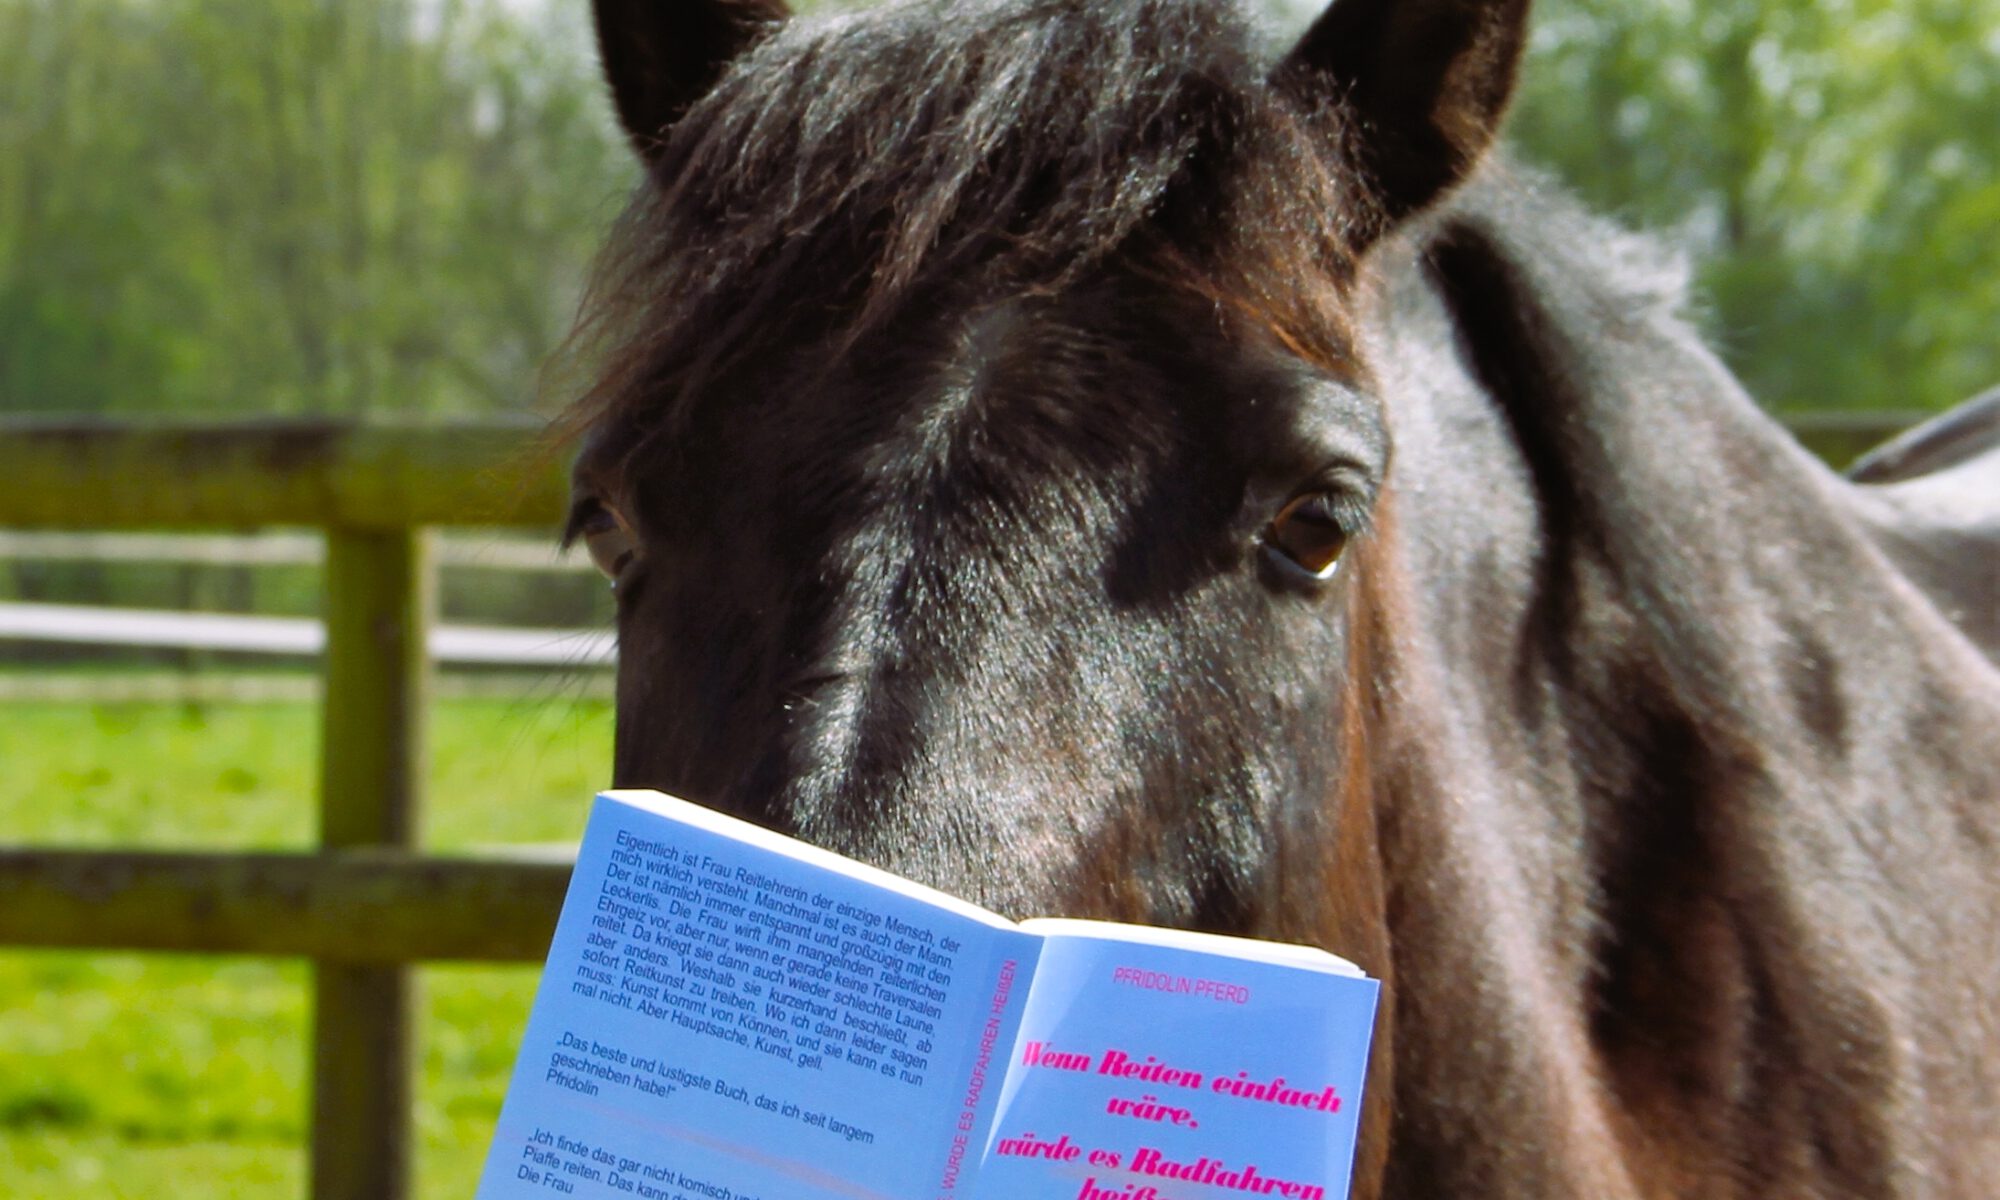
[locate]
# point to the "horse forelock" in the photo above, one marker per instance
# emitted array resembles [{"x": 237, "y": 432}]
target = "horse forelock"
[{"x": 849, "y": 172}]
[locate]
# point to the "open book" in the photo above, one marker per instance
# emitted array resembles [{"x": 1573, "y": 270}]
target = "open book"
[{"x": 730, "y": 1014}]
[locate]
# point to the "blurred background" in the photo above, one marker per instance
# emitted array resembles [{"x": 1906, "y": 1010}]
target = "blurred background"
[{"x": 350, "y": 210}]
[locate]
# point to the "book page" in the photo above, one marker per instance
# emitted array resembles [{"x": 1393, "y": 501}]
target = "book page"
[
  {"x": 1147, "y": 1070},
  {"x": 730, "y": 1016}
]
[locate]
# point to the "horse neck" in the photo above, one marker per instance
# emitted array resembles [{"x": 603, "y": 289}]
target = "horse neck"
[{"x": 1626, "y": 739}]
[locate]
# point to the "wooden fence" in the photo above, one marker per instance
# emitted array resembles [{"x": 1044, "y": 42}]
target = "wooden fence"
[{"x": 366, "y": 905}]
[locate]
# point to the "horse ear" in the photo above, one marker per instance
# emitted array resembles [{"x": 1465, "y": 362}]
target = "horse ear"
[
  {"x": 660, "y": 56},
  {"x": 1427, "y": 82}
]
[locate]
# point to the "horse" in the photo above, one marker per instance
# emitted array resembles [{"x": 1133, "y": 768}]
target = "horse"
[{"x": 1101, "y": 460}]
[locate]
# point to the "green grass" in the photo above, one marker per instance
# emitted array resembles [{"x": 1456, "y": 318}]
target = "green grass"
[{"x": 163, "y": 1076}]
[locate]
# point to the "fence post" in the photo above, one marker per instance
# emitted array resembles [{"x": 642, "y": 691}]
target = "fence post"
[{"x": 380, "y": 600}]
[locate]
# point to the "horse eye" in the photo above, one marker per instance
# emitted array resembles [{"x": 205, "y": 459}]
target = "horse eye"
[
  {"x": 608, "y": 539},
  {"x": 1308, "y": 535}
]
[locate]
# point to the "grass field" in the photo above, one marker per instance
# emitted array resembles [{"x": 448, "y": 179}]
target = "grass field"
[{"x": 167, "y": 1076}]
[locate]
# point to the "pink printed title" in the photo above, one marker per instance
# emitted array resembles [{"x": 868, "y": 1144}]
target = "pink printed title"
[
  {"x": 1183, "y": 1088},
  {"x": 1204, "y": 989}
]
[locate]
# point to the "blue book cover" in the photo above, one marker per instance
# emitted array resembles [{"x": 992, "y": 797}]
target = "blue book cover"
[{"x": 729, "y": 1014}]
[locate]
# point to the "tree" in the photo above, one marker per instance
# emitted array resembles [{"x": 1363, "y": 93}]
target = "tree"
[
  {"x": 1832, "y": 165},
  {"x": 295, "y": 206},
  {"x": 348, "y": 206}
]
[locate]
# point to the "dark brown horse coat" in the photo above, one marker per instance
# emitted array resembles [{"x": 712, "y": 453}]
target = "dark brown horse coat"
[
  {"x": 1045, "y": 432},
  {"x": 1703, "y": 883}
]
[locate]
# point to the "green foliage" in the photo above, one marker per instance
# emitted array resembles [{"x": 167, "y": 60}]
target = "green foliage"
[
  {"x": 293, "y": 206},
  {"x": 343, "y": 206},
  {"x": 1836, "y": 167}
]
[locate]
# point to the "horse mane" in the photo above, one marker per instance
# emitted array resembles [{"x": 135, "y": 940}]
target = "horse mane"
[
  {"x": 1625, "y": 272},
  {"x": 848, "y": 169}
]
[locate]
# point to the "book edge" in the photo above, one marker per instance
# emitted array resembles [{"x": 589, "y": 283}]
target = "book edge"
[
  {"x": 687, "y": 812},
  {"x": 1290, "y": 954}
]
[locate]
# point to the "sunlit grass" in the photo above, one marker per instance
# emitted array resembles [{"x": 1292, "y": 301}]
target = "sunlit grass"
[{"x": 163, "y": 1075}]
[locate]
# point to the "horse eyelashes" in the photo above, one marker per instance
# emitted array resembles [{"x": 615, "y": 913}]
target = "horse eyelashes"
[
  {"x": 608, "y": 539},
  {"x": 1309, "y": 534}
]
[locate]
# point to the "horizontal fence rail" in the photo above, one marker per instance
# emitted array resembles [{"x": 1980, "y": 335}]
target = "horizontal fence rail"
[
  {"x": 1839, "y": 438},
  {"x": 242, "y": 475},
  {"x": 348, "y": 906},
  {"x": 293, "y": 636},
  {"x": 212, "y": 686},
  {"x": 278, "y": 550},
  {"x": 100, "y": 475}
]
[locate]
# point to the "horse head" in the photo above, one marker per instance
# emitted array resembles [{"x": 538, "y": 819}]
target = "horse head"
[
  {"x": 987, "y": 464},
  {"x": 1078, "y": 456}
]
